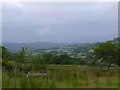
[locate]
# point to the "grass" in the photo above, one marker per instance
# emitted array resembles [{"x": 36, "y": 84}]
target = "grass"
[{"x": 64, "y": 76}]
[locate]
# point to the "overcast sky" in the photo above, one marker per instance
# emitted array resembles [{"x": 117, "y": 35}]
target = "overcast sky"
[{"x": 59, "y": 22}]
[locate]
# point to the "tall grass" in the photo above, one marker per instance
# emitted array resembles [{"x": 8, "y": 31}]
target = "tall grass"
[{"x": 65, "y": 76}]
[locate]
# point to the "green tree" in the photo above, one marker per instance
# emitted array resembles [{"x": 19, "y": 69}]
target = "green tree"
[
  {"x": 106, "y": 52},
  {"x": 5, "y": 54},
  {"x": 20, "y": 56},
  {"x": 24, "y": 56},
  {"x": 83, "y": 62},
  {"x": 36, "y": 62},
  {"x": 47, "y": 58},
  {"x": 63, "y": 59}
]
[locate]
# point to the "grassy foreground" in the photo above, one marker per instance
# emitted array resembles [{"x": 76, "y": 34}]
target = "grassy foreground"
[{"x": 65, "y": 76}]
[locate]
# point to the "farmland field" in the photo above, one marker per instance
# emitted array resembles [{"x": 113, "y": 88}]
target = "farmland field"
[{"x": 65, "y": 76}]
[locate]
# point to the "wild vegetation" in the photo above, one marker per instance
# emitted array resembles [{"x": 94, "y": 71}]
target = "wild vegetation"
[
  {"x": 65, "y": 76},
  {"x": 98, "y": 69}
]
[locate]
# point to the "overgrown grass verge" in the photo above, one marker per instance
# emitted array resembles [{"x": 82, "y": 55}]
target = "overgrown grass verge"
[{"x": 61, "y": 76}]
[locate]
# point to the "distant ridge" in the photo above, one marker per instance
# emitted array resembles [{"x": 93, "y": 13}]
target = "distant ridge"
[{"x": 15, "y": 47}]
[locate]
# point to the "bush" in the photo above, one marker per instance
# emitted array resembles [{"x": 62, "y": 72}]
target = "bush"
[{"x": 83, "y": 62}]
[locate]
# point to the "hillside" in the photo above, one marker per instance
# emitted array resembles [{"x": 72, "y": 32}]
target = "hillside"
[
  {"x": 75, "y": 50},
  {"x": 15, "y": 47}
]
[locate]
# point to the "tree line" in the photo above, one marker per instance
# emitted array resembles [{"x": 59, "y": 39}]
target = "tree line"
[{"x": 105, "y": 54}]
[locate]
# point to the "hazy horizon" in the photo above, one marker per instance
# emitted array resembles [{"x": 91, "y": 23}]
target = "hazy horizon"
[{"x": 83, "y": 22}]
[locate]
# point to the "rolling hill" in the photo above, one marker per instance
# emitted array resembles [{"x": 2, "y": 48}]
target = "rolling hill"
[{"x": 15, "y": 47}]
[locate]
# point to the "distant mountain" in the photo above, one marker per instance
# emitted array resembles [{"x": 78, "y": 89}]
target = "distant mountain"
[
  {"x": 36, "y": 46},
  {"x": 15, "y": 47}
]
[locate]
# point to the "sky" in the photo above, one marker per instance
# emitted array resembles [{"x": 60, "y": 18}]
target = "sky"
[{"x": 59, "y": 22}]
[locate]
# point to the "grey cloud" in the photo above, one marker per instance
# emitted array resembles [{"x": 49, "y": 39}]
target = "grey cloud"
[{"x": 59, "y": 22}]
